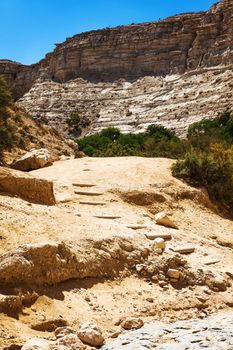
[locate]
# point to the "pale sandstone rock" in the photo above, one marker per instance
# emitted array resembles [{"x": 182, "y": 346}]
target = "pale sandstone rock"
[
  {"x": 182, "y": 43},
  {"x": 163, "y": 219},
  {"x": 188, "y": 79},
  {"x": 132, "y": 323},
  {"x": 27, "y": 187},
  {"x": 91, "y": 334},
  {"x": 159, "y": 243},
  {"x": 33, "y": 160},
  {"x": 69, "y": 341},
  {"x": 186, "y": 249},
  {"x": 36, "y": 344},
  {"x": 63, "y": 331}
]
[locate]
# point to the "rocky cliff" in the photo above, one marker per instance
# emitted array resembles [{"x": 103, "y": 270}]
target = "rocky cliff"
[{"x": 174, "y": 46}]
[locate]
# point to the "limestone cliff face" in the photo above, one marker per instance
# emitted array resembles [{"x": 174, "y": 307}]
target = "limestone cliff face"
[
  {"x": 171, "y": 46},
  {"x": 172, "y": 72}
]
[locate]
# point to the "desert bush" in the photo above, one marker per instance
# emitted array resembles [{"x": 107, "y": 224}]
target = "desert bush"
[
  {"x": 111, "y": 133},
  {"x": 212, "y": 168},
  {"x": 5, "y": 94},
  {"x": 206, "y": 132},
  {"x": 157, "y": 141},
  {"x": 6, "y": 137},
  {"x": 73, "y": 119}
]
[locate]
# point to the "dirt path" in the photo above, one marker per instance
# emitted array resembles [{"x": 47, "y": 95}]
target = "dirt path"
[{"x": 106, "y": 209}]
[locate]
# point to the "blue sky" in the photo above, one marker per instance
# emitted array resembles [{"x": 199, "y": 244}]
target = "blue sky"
[{"x": 29, "y": 28}]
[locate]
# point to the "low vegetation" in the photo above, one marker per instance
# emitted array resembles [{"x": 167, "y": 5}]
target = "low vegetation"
[
  {"x": 155, "y": 142},
  {"x": 204, "y": 159},
  {"x": 6, "y": 130}
]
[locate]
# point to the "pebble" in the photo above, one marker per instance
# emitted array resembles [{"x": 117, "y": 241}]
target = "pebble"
[
  {"x": 172, "y": 273},
  {"x": 159, "y": 243}
]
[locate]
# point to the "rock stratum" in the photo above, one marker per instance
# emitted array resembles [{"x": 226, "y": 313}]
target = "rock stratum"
[{"x": 172, "y": 72}]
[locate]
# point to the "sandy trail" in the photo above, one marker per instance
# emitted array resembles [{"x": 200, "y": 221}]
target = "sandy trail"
[{"x": 133, "y": 189}]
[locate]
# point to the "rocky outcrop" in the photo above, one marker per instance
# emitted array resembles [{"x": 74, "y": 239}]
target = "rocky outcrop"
[
  {"x": 26, "y": 187},
  {"x": 171, "y": 46},
  {"x": 173, "y": 72},
  {"x": 33, "y": 160},
  {"x": 174, "y": 101}
]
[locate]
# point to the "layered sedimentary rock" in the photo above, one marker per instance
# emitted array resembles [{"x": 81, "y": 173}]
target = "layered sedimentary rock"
[
  {"x": 175, "y": 101},
  {"x": 175, "y": 46}
]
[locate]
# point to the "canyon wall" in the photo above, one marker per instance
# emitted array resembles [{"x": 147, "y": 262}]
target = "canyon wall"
[
  {"x": 171, "y": 46},
  {"x": 172, "y": 72}
]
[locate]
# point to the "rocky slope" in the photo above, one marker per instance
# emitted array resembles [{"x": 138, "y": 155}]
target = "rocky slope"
[
  {"x": 191, "y": 48},
  {"x": 93, "y": 257},
  {"x": 28, "y": 134}
]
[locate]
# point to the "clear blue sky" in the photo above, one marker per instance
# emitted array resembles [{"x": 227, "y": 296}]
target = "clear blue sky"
[{"x": 29, "y": 28}]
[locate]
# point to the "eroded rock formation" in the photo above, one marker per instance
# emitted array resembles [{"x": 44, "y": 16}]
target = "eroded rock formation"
[{"x": 181, "y": 45}]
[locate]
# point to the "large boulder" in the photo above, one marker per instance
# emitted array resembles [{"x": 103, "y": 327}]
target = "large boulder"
[
  {"x": 26, "y": 187},
  {"x": 91, "y": 334},
  {"x": 35, "y": 159}
]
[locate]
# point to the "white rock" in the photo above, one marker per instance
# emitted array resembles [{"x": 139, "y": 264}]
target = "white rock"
[
  {"x": 33, "y": 160},
  {"x": 36, "y": 344},
  {"x": 159, "y": 243},
  {"x": 139, "y": 267},
  {"x": 63, "y": 331},
  {"x": 70, "y": 341},
  {"x": 163, "y": 219},
  {"x": 91, "y": 334}
]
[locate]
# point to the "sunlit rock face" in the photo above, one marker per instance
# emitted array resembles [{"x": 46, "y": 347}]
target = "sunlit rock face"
[{"x": 83, "y": 73}]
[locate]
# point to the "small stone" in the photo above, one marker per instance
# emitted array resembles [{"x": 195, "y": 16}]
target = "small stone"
[
  {"x": 63, "y": 331},
  {"x": 132, "y": 323},
  {"x": 162, "y": 277},
  {"x": 69, "y": 341},
  {"x": 183, "y": 249},
  {"x": 91, "y": 334},
  {"x": 162, "y": 284},
  {"x": 154, "y": 278},
  {"x": 159, "y": 243},
  {"x": 163, "y": 219},
  {"x": 139, "y": 267},
  {"x": 228, "y": 300},
  {"x": 153, "y": 235},
  {"x": 172, "y": 273},
  {"x": 151, "y": 269},
  {"x": 150, "y": 300}
]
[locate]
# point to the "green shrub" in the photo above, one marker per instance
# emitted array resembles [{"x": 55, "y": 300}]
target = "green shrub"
[
  {"x": 202, "y": 134},
  {"x": 160, "y": 132},
  {"x": 157, "y": 141},
  {"x": 6, "y": 137},
  {"x": 212, "y": 168},
  {"x": 74, "y": 119},
  {"x": 5, "y": 94},
  {"x": 111, "y": 133}
]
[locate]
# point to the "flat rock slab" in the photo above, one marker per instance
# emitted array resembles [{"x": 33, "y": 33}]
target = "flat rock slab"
[
  {"x": 153, "y": 235},
  {"x": 92, "y": 203},
  {"x": 213, "y": 333},
  {"x": 183, "y": 249},
  {"x": 83, "y": 185},
  {"x": 136, "y": 227},
  {"x": 211, "y": 262},
  {"x": 109, "y": 217},
  {"x": 88, "y": 193}
]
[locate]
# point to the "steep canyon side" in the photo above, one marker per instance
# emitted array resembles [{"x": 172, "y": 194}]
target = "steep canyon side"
[{"x": 86, "y": 73}]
